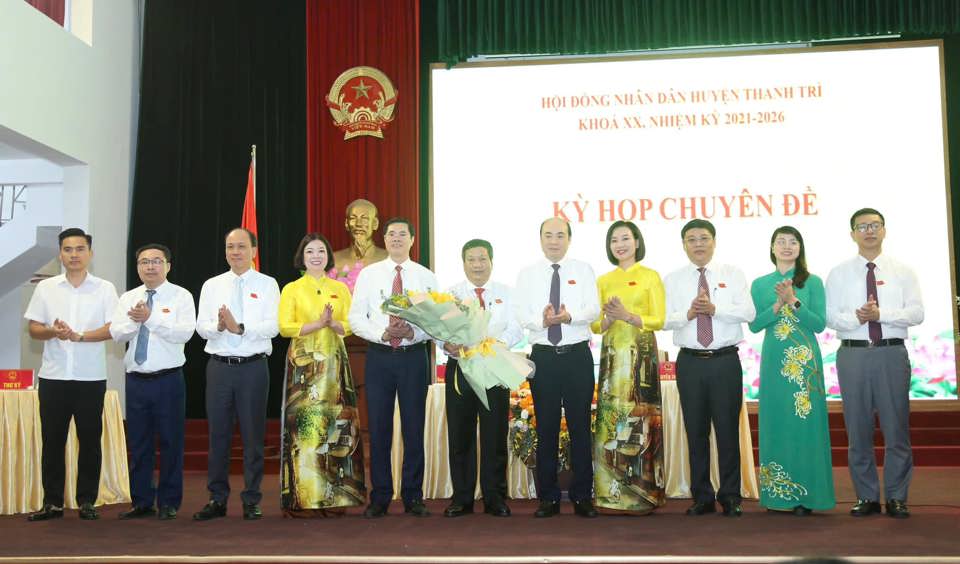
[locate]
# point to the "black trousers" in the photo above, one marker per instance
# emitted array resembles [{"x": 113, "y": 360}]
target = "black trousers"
[
  {"x": 392, "y": 377},
  {"x": 711, "y": 391},
  {"x": 238, "y": 393},
  {"x": 463, "y": 410},
  {"x": 61, "y": 400},
  {"x": 156, "y": 411},
  {"x": 563, "y": 382}
]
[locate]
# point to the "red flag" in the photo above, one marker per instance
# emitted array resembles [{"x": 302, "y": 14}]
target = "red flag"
[{"x": 249, "y": 220}]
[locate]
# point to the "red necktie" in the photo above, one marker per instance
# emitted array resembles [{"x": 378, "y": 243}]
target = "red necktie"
[
  {"x": 479, "y": 292},
  {"x": 396, "y": 291},
  {"x": 704, "y": 323},
  {"x": 876, "y": 333}
]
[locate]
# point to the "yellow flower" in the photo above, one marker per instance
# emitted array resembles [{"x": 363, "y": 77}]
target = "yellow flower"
[
  {"x": 483, "y": 348},
  {"x": 792, "y": 371},
  {"x": 801, "y": 404},
  {"x": 801, "y": 354},
  {"x": 441, "y": 297},
  {"x": 782, "y": 330}
]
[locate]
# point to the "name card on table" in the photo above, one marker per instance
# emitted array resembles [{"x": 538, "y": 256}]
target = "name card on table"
[
  {"x": 15, "y": 379},
  {"x": 668, "y": 370}
]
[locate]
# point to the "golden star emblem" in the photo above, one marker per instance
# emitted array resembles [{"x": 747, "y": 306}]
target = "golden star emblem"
[{"x": 362, "y": 90}]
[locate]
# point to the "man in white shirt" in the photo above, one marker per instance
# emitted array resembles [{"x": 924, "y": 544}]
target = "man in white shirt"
[
  {"x": 396, "y": 369},
  {"x": 71, "y": 314},
  {"x": 237, "y": 315},
  {"x": 707, "y": 304},
  {"x": 156, "y": 319},
  {"x": 871, "y": 301},
  {"x": 555, "y": 301},
  {"x": 462, "y": 405}
]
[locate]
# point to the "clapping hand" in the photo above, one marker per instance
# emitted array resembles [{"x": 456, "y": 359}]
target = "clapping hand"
[
  {"x": 552, "y": 317},
  {"x": 225, "y": 320},
  {"x": 869, "y": 311},
  {"x": 701, "y": 305},
  {"x": 326, "y": 317},
  {"x": 139, "y": 312},
  {"x": 63, "y": 331}
]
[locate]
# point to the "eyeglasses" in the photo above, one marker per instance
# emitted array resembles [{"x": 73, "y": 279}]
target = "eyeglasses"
[
  {"x": 864, "y": 227},
  {"x": 149, "y": 262},
  {"x": 698, "y": 241}
]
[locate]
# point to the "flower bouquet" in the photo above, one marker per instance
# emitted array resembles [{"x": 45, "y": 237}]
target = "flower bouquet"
[
  {"x": 485, "y": 362},
  {"x": 348, "y": 275}
]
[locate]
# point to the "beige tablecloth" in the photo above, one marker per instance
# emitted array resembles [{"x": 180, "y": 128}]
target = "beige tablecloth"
[
  {"x": 520, "y": 484},
  {"x": 21, "y": 490}
]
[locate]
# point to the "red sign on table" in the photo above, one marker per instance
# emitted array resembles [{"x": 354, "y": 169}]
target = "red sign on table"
[
  {"x": 15, "y": 379},
  {"x": 668, "y": 370}
]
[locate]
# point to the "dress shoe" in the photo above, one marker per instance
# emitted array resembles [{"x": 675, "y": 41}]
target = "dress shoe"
[
  {"x": 801, "y": 511},
  {"x": 137, "y": 513},
  {"x": 584, "y": 508},
  {"x": 167, "y": 513},
  {"x": 211, "y": 510},
  {"x": 251, "y": 512},
  {"x": 547, "y": 508},
  {"x": 897, "y": 509},
  {"x": 88, "y": 512},
  {"x": 731, "y": 508},
  {"x": 418, "y": 509},
  {"x": 865, "y": 507},
  {"x": 701, "y": 508},
  {"x": 457, "y": 510},
  {"x": 48, "y": 512},
  {"x": 497, "y": 509},
  {"x": 374, "y": 511}
]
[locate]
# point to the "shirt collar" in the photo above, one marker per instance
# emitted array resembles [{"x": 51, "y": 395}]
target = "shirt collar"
[
  {"x": 879, "y": 261},
  {"x": 88, "y": 280}
]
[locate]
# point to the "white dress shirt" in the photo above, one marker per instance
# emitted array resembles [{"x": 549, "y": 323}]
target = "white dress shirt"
[
  {"x": 503, "y": 326},
  {"x": 578, "y": 293},
  {"x": 86, "y": 308},
  {"x": 374, "y": 285},
  {"x": 898, "y": 298},
  {"x": 172, "y": 321},
  {"x": 261, "y": 303},
  {"x": 730, "y": 295}
]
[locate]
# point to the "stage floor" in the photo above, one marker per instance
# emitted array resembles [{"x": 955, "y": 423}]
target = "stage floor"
[{"x": 932, "y": 534}]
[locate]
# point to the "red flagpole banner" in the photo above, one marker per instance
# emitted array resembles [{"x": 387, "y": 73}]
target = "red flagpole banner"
[{"x": 249, "y": 219}]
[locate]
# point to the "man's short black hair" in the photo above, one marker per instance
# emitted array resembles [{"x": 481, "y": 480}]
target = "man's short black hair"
[
  {"x": 698, "y": 224},
  {"x": 402, "y": 220},
  {"x": 569, "y": 231},
  {"x": 865, "y": 211},
  {"x": 154, "y": 246},
  {"x": 473, "y": 244},
  {"x": 253, "y": 237},
  {"x": 75, "y": 232}
]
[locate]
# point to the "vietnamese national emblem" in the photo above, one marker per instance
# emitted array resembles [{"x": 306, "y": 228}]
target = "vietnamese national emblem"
[{"x": 362, "y": 101}]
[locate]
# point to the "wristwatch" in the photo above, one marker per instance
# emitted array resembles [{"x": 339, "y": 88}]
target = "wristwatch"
[
  {"x": 797, "y": 304},
  {"x": 242, "y": 329},
  {"x": 80, "y": 336}
]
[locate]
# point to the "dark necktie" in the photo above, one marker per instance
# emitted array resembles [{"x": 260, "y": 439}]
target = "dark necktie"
[
  {"x": 554, "y": 334},
  {"x": 143, "y": 335},
  {"x": 479, "y": 291},
  {"x": 704, "y": 323},
  {"x": 396, "y": 291},
  {"x": 876, "y": 333}
]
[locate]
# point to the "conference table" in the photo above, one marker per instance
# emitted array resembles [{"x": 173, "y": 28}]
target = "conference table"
[
  {"x": 21, "y": 490},
  {"x": 520, "y": 481}
]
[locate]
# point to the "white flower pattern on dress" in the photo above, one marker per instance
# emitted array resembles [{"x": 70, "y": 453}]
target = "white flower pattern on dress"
[{"x": 777, "y": 483}]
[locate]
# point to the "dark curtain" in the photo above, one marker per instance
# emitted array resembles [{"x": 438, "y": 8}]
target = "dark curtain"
[
  {"x": 466, "y": 28},
  {"x": 53, "y": 9},
  {"x": 217, "y": 77},
  {"x": 341, "y": 35}
]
